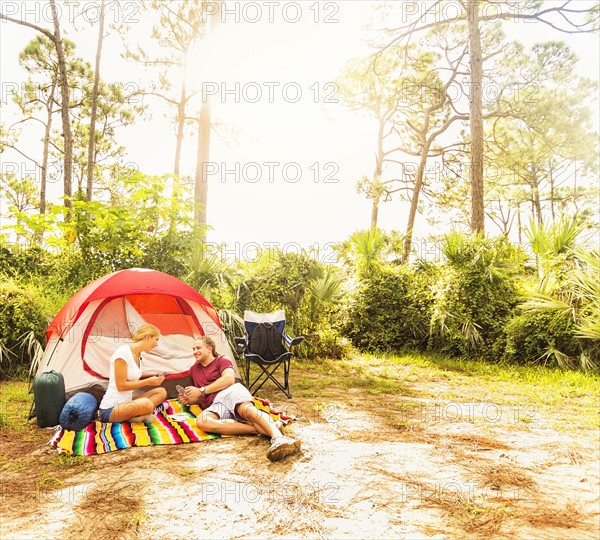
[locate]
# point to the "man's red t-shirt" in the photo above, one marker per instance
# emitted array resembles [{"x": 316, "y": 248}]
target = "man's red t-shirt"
[{"x": 203, "y": 376}]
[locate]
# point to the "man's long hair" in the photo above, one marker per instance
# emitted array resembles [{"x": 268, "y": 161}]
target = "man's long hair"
[{"x": 209, "y": 341}]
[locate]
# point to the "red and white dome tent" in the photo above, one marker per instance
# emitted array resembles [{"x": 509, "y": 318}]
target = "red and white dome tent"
[{"x": 101, "y": 316}]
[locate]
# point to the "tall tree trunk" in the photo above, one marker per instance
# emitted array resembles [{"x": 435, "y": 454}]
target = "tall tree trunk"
[
  {"x": 552, "y": 191},
  {"x": 519, "y": 224},
  {"x": 66, "y": 123},
  {"x": 92, "y": 142},
  {"x": 176, "y": 194},
  {"x": 203, "y": 152},
  {"x": 412, "y": 214},
  {"x": 575, "y": 190},
  {"x": 374, "y": 213},
  {"x": 535, "y": 196},
  {"x": 377, "y": 175},
  {"x": 45, "y": 153},
  {"x": 476, "y": 118},
  {"x": 180, "y": 122}
]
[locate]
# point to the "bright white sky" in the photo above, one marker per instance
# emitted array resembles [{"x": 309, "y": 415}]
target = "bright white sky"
[{"x": 323, "y": 139}]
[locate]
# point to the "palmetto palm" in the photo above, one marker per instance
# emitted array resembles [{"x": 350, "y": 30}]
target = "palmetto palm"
[
  {"x": 553, "y": 245},
  {"x": 209, "y": 270},
  {"x": 578, "y": 296},
  {"x": 368, "y": 247},
  {"x": 570, "y": 286},
  {"x": 496, "y": 256},
  {"x": 326, "y": 287}
]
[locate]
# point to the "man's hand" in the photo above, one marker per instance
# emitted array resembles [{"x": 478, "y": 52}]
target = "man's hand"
[{"x": 192, "y": 394}]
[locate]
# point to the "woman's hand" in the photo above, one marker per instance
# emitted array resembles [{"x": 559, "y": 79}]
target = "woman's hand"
[{"x": 155, "y": 381}]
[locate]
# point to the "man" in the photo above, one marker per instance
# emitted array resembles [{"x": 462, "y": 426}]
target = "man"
[{"x": 228, "y": 407}]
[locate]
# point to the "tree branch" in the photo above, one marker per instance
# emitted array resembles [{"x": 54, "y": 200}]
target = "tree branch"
[
  {"x": 8, "y": 145},
  {"x": 30, "y": 25}
]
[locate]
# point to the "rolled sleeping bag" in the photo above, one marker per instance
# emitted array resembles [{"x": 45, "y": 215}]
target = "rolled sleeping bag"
[
  {"x": 49, "y": 395},
  {"x": 79, "y": 411}
]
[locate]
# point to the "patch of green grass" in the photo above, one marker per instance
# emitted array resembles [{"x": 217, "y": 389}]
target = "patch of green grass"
[
  {"x": 328, "y": 392},
  {"x": 15, "y": 404},
  {"x": 136, "y": 520},
  {"x": 568, "y": 398},
  {"x": 499, "y": 371},
  {"x": 47, "y": 482},
  {"x": 14, "y": 465},
  {"x": 312, "y": 383},
  {"x": 61, "y": 461},
  {"x": 375, "y": 385},
  {"x": 571, "y": 396},
  {"x": 319, "y": 375},
  {"x": 186, "y": 472}
]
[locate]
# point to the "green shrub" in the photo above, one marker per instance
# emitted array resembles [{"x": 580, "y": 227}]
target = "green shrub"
[
  {"x": 20, "y": 261},
  {"x": 307, "y": 290},
  {"x": 326, "y": 342},
  {"x": 458, "y": 308},
  {"x": 470, "y": 312},
  {"x": 475, "y": 295},
  {"x": 531, "y": 337},
  {"x": 168, "y": 253},
  {"x": 24, "y": 314},
  {"x": 567, "y": 301},
  {"x": 275, "y": 281},
  {"x": 390, "y": 309}
]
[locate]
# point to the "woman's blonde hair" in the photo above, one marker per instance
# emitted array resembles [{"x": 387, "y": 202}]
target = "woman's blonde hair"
[{"x": 146, "y": 329}]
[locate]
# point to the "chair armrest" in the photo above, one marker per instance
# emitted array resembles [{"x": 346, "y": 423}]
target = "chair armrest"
[
  {"x": 296, "y": 341},
  {"x": 241, "y": 343}
]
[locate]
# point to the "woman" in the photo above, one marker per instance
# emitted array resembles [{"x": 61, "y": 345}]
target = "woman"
[
  {"x": 228, "y": 407},
  {"x": 118, "y": 404}
]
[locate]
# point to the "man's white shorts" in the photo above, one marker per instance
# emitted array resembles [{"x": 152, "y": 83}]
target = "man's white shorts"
[{"x": 227, "y": 399}]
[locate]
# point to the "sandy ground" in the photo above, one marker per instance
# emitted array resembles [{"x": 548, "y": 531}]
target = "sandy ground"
[{"x": 444, "y": 471}]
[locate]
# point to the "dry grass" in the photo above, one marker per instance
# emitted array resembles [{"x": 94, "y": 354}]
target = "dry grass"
[
  {"x": 463, "y": 484},
  {"x": 414, "y": 432},
  {"x": 463, "y": 448},
  {"x": 480, "y": 518},
  {"x": 34, "y": 477},
  {"x": 18, "y": 493},
  {"x": 575, "y": 457},
  {"x": 479, "y": 442},
  {"x": 566, "y": 518},
  {"x": 300, "y": 511},
  {"x": 369, "y": 436},
  {"x": 462, "y": 507},
  {"x": 498, "y": 477},
  {"x": 107, "y": 514},
  {"x": 573, "y": 454}
]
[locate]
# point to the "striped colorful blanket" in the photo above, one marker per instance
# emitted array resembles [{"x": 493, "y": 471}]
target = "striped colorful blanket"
[{"x": 169, "y": 427}]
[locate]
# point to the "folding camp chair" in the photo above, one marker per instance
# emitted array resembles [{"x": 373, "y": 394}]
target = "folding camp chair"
[{"x": 266, "y": 345}]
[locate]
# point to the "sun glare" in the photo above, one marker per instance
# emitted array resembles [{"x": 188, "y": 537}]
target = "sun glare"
[{"x": 271, "y": 73}]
